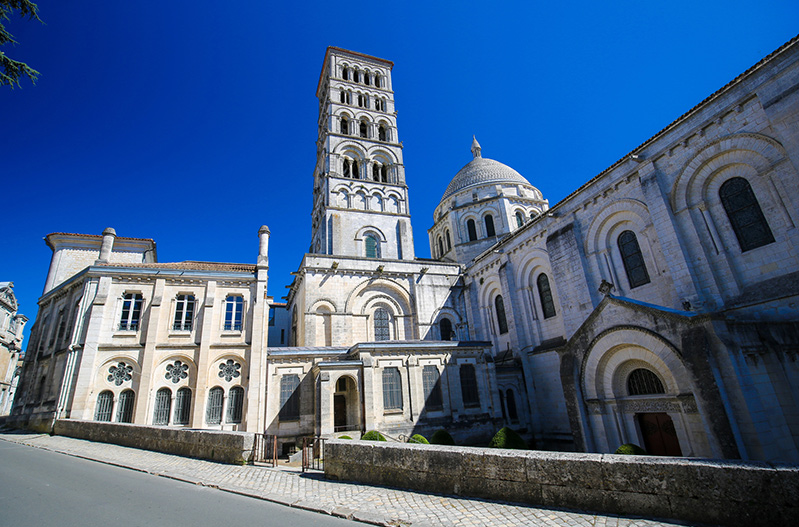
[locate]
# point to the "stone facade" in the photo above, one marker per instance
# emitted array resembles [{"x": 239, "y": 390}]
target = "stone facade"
[{"x": 11, "y": 326}]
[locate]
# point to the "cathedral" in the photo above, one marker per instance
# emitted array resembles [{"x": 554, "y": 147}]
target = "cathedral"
[{"x": 656, "y": 304}]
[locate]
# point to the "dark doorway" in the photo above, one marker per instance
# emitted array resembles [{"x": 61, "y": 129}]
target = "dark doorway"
[
  {"x": 660, "y": 437},
  {"x": 340, "y": 412}
]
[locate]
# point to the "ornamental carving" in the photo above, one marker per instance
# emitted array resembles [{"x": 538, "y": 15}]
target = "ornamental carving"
[
  {"x": 229, "y": 370},
  {"x": 120, "y": 373},
  {"x": 650, "y": 406},
  {"x": 177, "y": 371}
]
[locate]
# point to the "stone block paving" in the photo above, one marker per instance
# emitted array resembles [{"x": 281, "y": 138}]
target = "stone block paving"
[{"x": 370, "y": 504}]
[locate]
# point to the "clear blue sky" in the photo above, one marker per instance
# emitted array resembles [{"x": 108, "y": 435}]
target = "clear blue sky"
[{"x": 194, "y": 122}]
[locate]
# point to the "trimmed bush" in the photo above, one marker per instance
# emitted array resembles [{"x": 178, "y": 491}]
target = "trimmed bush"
[
  {"x": 507, "y": 438},
  {"x": 373, "y": 435},
  {"x": 419, "y": 438},
  {"x": 442, "y": 437},
  {"x": 629, "y": 449},
  {"x": 344, "y": 437}
]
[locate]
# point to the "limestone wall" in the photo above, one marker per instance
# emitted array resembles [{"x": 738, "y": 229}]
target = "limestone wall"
[
  {"x": 693, "y": 490},
  {"x": 226, "y": 447}
]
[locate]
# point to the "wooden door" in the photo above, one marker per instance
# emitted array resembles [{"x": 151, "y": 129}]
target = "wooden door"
[
  {"x": 340, "y": 412},
  {"x": 660, "y": 437}
]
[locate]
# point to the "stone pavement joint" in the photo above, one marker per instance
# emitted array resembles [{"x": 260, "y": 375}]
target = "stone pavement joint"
[{"x": 364, "y": 503}]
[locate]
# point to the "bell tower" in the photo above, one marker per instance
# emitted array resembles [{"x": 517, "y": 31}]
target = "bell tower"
[{"x": 360, "y": 196}]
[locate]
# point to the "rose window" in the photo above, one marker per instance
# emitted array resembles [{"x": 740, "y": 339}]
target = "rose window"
[
  {"x": 229, "y": 370},
  {"x": 177, "y": 371},
  {"x": 120, "y": 373}
]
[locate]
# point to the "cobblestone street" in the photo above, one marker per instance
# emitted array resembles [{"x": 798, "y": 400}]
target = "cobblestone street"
[{"x": 310, "y": 491}]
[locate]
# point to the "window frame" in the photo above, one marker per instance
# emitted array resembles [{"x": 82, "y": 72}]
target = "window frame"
[
  {"x": 162, "y": 407},
  {"x": 182, "y": 413},
  {"x": 289, "y": 398},
  {"x": 545, "y": 296},
  {"x": 105, "y": 406},
  {"x": 381, "y": 324},
  {"x": 392, "y": 389},
  {"x": 470, "y": 391},
  {"x": 747, "y": 218},
  {"x": 214, "y": 406},
  {"x": 125, "y": 404},
  {"x": 630, "y": 251},
  {"x": 185, "y": 307},
  {"x": 130, "y": 316},
  {"x": 233, "y": 313},
  {"x": 431, "y": 387},
  {"x": 499, "y": 311},
  {"x": 235, "y": 405}
]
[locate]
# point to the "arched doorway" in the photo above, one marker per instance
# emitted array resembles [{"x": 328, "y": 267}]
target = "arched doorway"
[
  {"x": 345, "y": 405},
  {"x": 658, "y": 434}
]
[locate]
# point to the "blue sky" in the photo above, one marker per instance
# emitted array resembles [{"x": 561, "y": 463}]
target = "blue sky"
[{"x": 194, "y": 123}]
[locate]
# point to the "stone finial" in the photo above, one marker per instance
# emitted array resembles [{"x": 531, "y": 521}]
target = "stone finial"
[
  {"x": 263, "y": 245},
  {"x": 476, "y": 149},
  {"x": 109, "y": 234}
]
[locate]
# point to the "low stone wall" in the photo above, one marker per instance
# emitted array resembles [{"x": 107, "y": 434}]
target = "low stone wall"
[
  {"x": 226, "y": 447},
  {"x": 694, "y": 490}
]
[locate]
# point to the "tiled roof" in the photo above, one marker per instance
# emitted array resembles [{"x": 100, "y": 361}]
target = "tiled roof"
[
  {"x": 480, "y": 171},
  {"x": 99, "y": 236}
]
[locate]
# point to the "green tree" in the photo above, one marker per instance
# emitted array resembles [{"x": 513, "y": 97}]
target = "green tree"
[{"x": 13, "y": 70}]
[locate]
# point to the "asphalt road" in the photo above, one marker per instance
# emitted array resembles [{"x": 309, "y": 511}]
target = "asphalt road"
[{"x": 38, "y": 487}]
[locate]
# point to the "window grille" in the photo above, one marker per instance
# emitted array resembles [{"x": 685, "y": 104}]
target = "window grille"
[
  {"x": 745, "y": 214},
  {"x": 489, "y": 221},
  {"x": 213, "y": 414},
  {"x": 432, "y": 387},
  {"x": 519, "y": 219},
  {"x": 644, "y": 382},
  {"x": 235, "y": 404},
  {"x": 445, "y": 327},
  {"x": 469, "y": 393},
  {"x": 545, "y": 295},
  {"x": 372, "y": 247},
  {"x": 131, "y": 312},
  {"x": 163, "y": 404},
  {"x": 472, "y": 229},
  {"x": 234, "y": 306},
  {"x": 105, "y": 406},
  {"x": 125, "y": 407},
  {"x": 632, "y": 259},
  {"x": 510, "y": 400},
  {"x": 289, "y": 398},
  {"x": 392, "y": 389},
  {"x": 382, "y": 320},
  {"x": 502, "y": 321},
  {"x": 184, "y": 313},
  {"x": 182, "y": 407}
]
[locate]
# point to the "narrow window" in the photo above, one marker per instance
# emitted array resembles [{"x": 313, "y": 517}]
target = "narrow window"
[
  {"x": 545, "y": 295},
  {"x": 363, "y": 129},
  {"x": 345, "y": 126},
  {"x": 184, "y": 313},
  {"x": 445, "y": 328},
  {"x": 372, "y": 247},
  {"x": 470, "y": 226},
  {"x": 510, "y": 400},
  {"x": 392, "y": 389},
  {"x": 489, "y": 221},
  {"x": 632, "y": 259},
  {"x": 519, "y": 219},
  {"x": 234, "y": 306},
  {"x": 343, "y": 97},
  {"x": 440, "y": 247},
  {"x": 235, "y": 404},
  {"x": 383, "y": 173},
  {"x": 345, "y": 74},
  {"x": 360, "y": 100},
  {"x": 644, "y": 382},
  {"x": 271, "y": 316},
  {"x": 62, "y": 326},
  {"x": 105, "y": 405},
  {"x": 382, "y": 324},
  {"x": 163, "y": 404},
  {"x": 347, "y": 168},
  {"x": 449, "y": 241},
  {"x": 745, "y": 214},
  {"x": 469, "y": 393},
  {"x": 125, "y": 407},
  {"x": 182, "y": 407},
  {"x": 381, "y": 133},
  {"x": 366, "y": 78},
  {"x": 213, "y": 414},
  {"x": 432, "y": 388},
  {"x": 289, "y": 398},
  {"x": 378, "y": 81},
  {"x": 502, "y": 322},
  {"x": 131, "y": 312},
  {"x": 376, "y": 172},
  {"x": 356, "y": 173}
]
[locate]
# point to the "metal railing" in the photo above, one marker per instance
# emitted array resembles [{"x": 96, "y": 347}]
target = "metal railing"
[
  {"x": 265, "y": 449},
  {"x": 313, "y": 453}
]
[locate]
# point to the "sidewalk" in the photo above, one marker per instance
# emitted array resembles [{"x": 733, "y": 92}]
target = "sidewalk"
[{"x": 310, "y": 491}]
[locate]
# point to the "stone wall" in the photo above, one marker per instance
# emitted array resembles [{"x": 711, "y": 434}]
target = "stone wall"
[
  {"x": 215, "y": 445},
  {"x": 693, "y": 490}
]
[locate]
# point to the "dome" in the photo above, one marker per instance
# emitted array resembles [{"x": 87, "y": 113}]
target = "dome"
[{"x": 482, "y": 171}]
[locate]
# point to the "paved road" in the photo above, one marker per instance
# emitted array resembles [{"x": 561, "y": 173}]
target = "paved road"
[{"x": 44, "y": 488}]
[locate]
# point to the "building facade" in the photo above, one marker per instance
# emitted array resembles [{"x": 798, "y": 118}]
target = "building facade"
[
  {"x": 12, "y": 325},
  {"x": 656, "y": 304}
]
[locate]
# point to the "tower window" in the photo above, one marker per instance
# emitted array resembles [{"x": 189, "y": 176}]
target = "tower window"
[
  {"x": 392, "y": 389},
  {"x": 376, "y": 172},
  {"x": 545, "y": 295},
  {"x": 345, "y": 126},
  {"x": 632, "y": 259},
  {"x": 372, "y": 246},
  {"x": 360, "y": 100},
  {"x": 379, "y": 82},
  {"x": 489, "y": 221},
  {"x": 366, "y": 78},
  {"x": 445, "y": 328},
  {"x": 449, "y": 240},
  {"x": 382, "y": 324},
  {"x": 347, "y": 168},
  {"x": 363, "y": 129},
  {"x": 472, "y": 229},
  {"x": 469, "y": 391},
  {"x": 356, "y": 173},
  {"x": 343, "y": 97},
  {"x": 440, "y": 247},
  {"x": 345, "y": 74},
  {"x": 745, "y": 214},
  {"x": 519, "y": 219},
  {"x": 381, "y": 133},
  {"x": 502, "y": 321},
  {"x": 644, "y": 382},
  {"x": 384, "y": 173}
]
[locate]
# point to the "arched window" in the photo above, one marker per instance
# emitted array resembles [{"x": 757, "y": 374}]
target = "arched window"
[
  {"x": 432, "y": 388},
  {"x": 502, "y": 322},
  {"x": 472, "y": 229},
  {"x": 384, "y": 173},
  {"x": 125, "y": 407},
  {"x": 745, "y": 214},
  {"x": 519, "y": 219},
  {"x": 213, "y": 414},
  {"x": 347, "y": 168},
  {"x": 366, "y": 78},
  {"x": 381, "y": 133},
  {"x": 163, "y": 404},
  {"x": 440, "y": 247},
  {"x": 379, "y": 82},
  {"x": 105, "y": 406},
  {"x": 644, "y": 382},
  {"x": 356, "y": 171},
  {"x": 382, "y": 324},
  {"x": 632, "y": 259},
  {"x": 545, "y": 295},
  {"x": 360, "y": 100},
  {"x": 510, "y": 401},
  {"x": 363, "y": 129},
  {"x": 343, "y": 97},
  {"x": 449, "y": 240},
  {"x": 182, "y": 407},
  {"x": 345, "y": 125},
  {"x": 289, "y": 398},
  {"x": 376, "y": 171},
  {"x": 392, "y": 389},
  {"x": 372, "y": 246},
  {"x": 345, "y": 74},
  {"x": 469, "y": 392},
  {"x": 235, "y": 404},
  {"x": 445, "y": 327},
  {"x": 489, "y": 221}
]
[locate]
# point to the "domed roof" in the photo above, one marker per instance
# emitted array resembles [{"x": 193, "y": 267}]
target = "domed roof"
[{"x": 481, "y": 171}]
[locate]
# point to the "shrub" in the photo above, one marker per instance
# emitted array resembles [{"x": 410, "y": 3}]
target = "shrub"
[
  {"x": 344, "y": 437},
  {"x": 373, "y": 435},
  {"x": 442, "y": 437},
  {"x": 507, "y": 438},
  {"x": 419, "y": 438},
  {"x": 630, "y": 449}
]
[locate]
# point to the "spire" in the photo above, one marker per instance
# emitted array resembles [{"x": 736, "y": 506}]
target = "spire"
[{"x": 476, "y": 148}]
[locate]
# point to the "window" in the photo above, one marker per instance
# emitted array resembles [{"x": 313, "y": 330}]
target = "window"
[
  {"x": 489, "y": 221},
  {"x": 432, "y": 388},
  {"x": 632, "y": 259},
  {"x": 449, "y": 241},
  {"x": 382, "y": 321},
  {"x": 381, "y": 133},
  {"x": 289, "y": 398},
  {"x": 345, "y": 74},
  {"x": 445, "y": 327},
  {"x": 363, "y": 129},
  {"x": 105, "y": 406},
  {"x": 545, "y": 295},
  {"x": 271, "y": 316},
  {"x": 510, "y": 400},
  {"x": 378, "y": 80},
  {"x": 347, "y": 168},
  {"x": 234, "y": 306},
  {"x": 469, "y": 393},
  {"x": 745, "y": 214},
  {"x": 184, "y": 313},
  {"x": 392, "y": 389},
  {"x": 502, "y": 321},
  {"x": 356, "y": 174},
  {"x": 213, "y": 414},
  {"x": 372, "y": 246},
  {"x": 440, "y": 246},
  {"x": 343, "y": 97},
  {"x": 62, "y": 325},
  {"x": 182, "y": 407},
  {"x": 163, "y": 404},
  {"x": 235, "y": 404},
  {"x": 345, "y": 126},
  {"x": 644, "y": 382},
  {"x": 125, "y": 407},
  {"x": 472, "y": 229},
  {"x": 131, "y": 312},
  {"x": 384, "y": 173},
  {"x": 366, "y": 78},
  {"x": 519, "y": 219}
]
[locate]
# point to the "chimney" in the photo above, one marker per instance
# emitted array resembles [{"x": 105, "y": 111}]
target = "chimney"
[
  {"x": 108, "y": 244},
  {"x": 263, "y": 246}
]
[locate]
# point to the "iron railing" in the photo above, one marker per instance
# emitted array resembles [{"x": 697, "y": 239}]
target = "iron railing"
[
  {"x": 265, "y": 449},
  {"x": 313, "y": 453}
]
